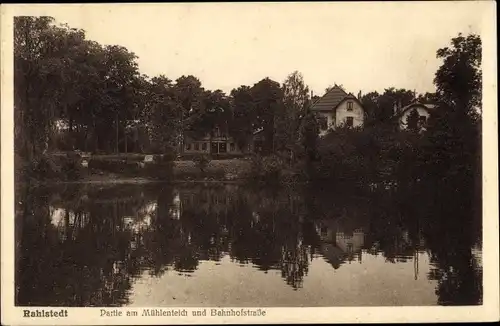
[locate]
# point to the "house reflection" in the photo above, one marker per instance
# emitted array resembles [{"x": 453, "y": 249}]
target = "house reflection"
[
  {"x": 86, "y": 247},
  {"x": 337, "y": 246}
]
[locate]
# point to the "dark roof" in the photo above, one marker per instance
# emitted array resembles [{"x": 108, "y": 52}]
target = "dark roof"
[
  {"x": 429, "y": 106},
  {"x": 331, "y": 99}
]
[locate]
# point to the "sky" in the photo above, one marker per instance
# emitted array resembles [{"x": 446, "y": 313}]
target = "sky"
[{"x": 362, "y": 46}]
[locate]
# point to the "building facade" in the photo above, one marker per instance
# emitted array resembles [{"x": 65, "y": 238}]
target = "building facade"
[
  {"x": 337, "y": 108},
  {"x": 424, "y": 111},
  {"x": 216, "y": 143}
]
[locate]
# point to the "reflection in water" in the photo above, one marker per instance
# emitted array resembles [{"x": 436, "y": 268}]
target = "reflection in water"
[{"x": 230, "y": 245}]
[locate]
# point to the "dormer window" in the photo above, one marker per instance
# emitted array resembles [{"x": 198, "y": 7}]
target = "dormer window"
[{"x": 349, "y": 106}]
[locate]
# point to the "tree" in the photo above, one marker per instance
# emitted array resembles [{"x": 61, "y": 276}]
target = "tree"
[
  {"x": 459, "y": 79},
  {"x": 216, "y": 113},
  {"x": 453, "y": 148},
  {"x": 412, "y": 122},
  {"x": 309, "y": 137},
  {"x": 371, "y": 106},
  {"x": 189, "y": 94},
  {"x": 380, "y": 108},
  {"x": 268, "y": 97},
  {"x": 244, "y": 115},
  {"x": 164, "y": 114},
  {"x": 428, "y": 98},
  {"x": 117, "y": 104},
  {"x": 288, "y": 115},
  {"x": 41, "y": 72}
]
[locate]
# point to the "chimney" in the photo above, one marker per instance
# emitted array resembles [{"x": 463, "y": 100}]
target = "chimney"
[{"x": 312, "y": 94}]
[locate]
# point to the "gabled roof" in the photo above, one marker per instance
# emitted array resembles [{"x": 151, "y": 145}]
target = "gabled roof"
[
  {"x": 332, "y": 99},
  {"x": 429, "y": 106}
]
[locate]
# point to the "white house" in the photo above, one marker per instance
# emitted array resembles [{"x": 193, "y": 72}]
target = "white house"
[
  {"x": 424, "y": 111},
  {"x": 337, "y": 108}
]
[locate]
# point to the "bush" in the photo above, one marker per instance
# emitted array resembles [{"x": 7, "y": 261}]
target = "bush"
[
  {"x": 201, "y": 162},
  {"x": 268, "y": 168},
  {"x": 72, "y": 166},
  {"x": 161, "y": 168},
  {"x": 46, "y": 167},
  {"x": 52, "y": 167},
  {"x": 115, "y": 166}
]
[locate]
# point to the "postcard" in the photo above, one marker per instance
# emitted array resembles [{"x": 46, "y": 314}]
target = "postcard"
[{"x": 208, "y": 163}]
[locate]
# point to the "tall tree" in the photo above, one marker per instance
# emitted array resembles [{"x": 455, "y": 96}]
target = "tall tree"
[
  {"x": 164, "y": 114},
  {"x": 295, "y": 98},
  {"x": 215, "y": 113},
  {"x": 454, "y": 133},
  {"x": 371, "y": 106},
  {"x": 268, "y": 97},
  {"x": 244, "y": 115},
  {"x": 189, "y": 94},
  {"x": 41, "y": 73},
  {"x": 459, "y": 79}
]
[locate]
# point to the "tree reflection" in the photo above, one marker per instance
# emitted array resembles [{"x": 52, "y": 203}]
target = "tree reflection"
[{"x": 84, "y": 246}]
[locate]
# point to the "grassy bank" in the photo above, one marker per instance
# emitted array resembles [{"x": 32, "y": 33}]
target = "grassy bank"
[{"x": 225, "y": 170}]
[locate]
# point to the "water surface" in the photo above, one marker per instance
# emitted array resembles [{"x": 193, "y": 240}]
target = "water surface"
[{"x": 228, "y": 245}]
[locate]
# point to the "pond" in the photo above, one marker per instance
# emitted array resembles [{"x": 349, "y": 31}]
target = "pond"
[{"x": 228, "y": 245}]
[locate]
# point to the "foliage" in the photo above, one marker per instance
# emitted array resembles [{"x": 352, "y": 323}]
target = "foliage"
[
  {"x": 459, "y": 79},
  {"x": 268, "y": 99},
  {"x": 380, "y": 108},
  {"x": 412, "y": 121},
  {"x": 268, "y": 168},
  {"x": 244, "y": 115},
  {"x": 119, "y": 166},
  {"x": 453, "y": 147},
  {"x": 201, "y": 162},
  {"x": 289, "y": 115},
  {"x": 58, "y": 168},
  {"x": 73, "y": 93}
]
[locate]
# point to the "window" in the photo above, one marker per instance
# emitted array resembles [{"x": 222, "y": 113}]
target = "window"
[
  {"x": 349, "y": 121},
  {"x": 204, "y": 146},
  {"x": 232, "y": 147},
  {"x": 323, "y": 123},
  {"x": 188, "y": 146},
  {"x": 349, "y": 106},
  {"x": 196, "y": 146},
  {"x": 222, "y": 148}
]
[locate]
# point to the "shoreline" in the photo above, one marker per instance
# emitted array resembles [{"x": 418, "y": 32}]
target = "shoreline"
[
  {"x": 128, "y": 180},
  {"x": 118, "y": 180}
]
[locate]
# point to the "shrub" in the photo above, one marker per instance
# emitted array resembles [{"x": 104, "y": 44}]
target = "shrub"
[
  {"x": 201, "y": 161},
  {"x": 115, "y": 166},
  {"x": 51, "y": 167},
  {"x": 46, "y": 167},
  {"x": 268, "y": 168},
  {"x": 72, "y": 166},
  {"x": 160, "y": 168}
]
